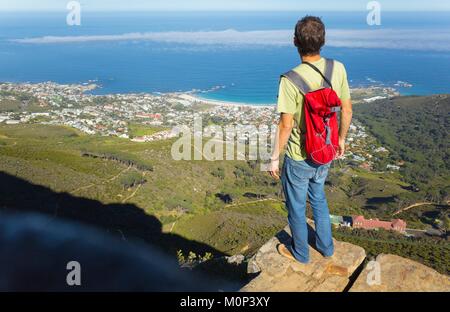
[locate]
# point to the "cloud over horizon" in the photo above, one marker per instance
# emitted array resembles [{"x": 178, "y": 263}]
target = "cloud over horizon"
[{"x": 421, "y": 40}]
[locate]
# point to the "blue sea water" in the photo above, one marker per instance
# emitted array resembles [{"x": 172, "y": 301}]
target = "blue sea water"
[{"x": 244, "y": 72}]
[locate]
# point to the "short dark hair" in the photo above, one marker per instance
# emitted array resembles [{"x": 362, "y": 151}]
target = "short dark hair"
[{"x": 309, "y": 35}]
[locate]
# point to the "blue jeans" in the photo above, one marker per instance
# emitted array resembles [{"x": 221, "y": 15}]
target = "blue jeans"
[{"x": 301, "y": 179}]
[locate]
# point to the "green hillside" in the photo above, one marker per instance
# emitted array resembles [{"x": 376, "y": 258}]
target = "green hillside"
[{"x": 415, "y": 130}]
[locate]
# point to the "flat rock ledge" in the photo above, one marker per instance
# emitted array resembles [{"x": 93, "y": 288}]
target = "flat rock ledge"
[
  {"x": 343, "y": 272},
  {"x": 396, "y": 274},
  {"x": 277, "y": 273}
]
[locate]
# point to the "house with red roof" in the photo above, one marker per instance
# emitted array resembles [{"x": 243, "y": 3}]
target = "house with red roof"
[{"x": 359, "y": 222}]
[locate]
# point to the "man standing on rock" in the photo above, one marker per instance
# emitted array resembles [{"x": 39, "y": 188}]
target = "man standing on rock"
[{"x": 301, "y": 177}]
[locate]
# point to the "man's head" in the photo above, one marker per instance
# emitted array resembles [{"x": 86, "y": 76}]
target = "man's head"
[{"x": 309, "y": 35}]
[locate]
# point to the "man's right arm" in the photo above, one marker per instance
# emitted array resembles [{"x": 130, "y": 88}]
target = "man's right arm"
[
  {"x": 346, "y": 113},
  {"x": 346, "y": 120}
]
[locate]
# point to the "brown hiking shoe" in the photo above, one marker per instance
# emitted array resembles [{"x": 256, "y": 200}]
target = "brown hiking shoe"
[{"x": 285, "y": 252}]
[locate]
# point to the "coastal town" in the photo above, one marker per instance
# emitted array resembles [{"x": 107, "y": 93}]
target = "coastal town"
[
  {"x": 156, "y": 115},
  {"x": 111, "y": 115}
]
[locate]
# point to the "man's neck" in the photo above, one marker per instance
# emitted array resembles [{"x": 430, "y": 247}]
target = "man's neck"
[{"x": 311, "y": 58}]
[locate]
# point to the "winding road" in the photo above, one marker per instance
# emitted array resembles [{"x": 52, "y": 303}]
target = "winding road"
[{"x": 413, "y": 206}]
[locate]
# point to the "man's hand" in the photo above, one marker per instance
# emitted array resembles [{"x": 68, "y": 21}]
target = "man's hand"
[
  {"x": 275, "y": 169},
  {"x": 341, "y": 149}
]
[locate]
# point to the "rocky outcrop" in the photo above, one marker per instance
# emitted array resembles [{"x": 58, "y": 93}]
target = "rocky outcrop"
[
  {"x": 277, "y": 273},
  {"x": 343, "y": 272},
  {"x": 390, "y": 273}
]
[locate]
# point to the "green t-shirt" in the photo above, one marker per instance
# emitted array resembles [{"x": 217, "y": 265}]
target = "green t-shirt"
[{"x": 290, "y": 100}]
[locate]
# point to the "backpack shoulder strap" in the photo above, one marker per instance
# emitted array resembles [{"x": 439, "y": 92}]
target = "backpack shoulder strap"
[
  {"x": 298, "y": 81},
  {"x": 329, "y": 67}
]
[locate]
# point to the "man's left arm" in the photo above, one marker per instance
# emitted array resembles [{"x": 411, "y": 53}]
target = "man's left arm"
[
  {"x": 284, "y": 131},
  {"x": 287, "y": 107}
]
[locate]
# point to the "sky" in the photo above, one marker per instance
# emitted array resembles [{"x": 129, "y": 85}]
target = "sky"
[{"x": 222, "y": 5}]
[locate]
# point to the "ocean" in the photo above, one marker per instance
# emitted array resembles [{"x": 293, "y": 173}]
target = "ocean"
[{"x": 229, "y": 56}]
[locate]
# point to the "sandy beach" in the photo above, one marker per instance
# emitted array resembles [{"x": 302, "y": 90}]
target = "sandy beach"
[{"x": 195, "y": 98}]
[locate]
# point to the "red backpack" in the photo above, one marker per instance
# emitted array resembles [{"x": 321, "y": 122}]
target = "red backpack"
[{"x": 320, "y": 109}]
